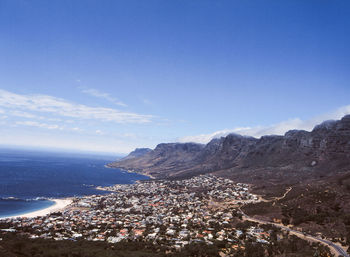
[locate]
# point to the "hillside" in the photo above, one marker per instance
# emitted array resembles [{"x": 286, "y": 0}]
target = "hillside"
[{"x": 297, "y": 154}]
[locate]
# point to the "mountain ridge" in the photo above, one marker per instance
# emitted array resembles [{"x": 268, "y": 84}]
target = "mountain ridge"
[
  {"x": 327, "y": 146},
  {"x": 138, "y": 152}
]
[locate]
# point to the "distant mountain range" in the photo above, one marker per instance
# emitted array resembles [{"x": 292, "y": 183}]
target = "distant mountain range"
[{"x": 298, "y": 154}]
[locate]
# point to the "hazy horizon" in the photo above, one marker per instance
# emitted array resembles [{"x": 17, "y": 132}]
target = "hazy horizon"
[{"x": 63, "y": 151}]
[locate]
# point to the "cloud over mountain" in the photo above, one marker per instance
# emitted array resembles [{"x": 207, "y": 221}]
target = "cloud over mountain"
[{"x": 275, "y": 129}]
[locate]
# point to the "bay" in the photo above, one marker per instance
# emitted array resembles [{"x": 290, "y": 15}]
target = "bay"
[{"x": 28, "y": 179}]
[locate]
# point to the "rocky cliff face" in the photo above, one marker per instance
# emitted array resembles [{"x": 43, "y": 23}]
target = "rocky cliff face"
[
  {"x": 326, "y": 143},
  {"x": 326, "y": 148}
]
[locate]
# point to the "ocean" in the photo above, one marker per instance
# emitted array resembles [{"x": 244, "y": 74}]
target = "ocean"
[{"x": 28, "y": 179}]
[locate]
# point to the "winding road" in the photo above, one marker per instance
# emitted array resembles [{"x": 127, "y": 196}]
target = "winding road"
[{"x": 336, "y": 249}]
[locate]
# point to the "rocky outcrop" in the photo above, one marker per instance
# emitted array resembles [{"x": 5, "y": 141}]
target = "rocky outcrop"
[
  {"x": 326, "y": 148},
  {"x": 138, "y": 152}
]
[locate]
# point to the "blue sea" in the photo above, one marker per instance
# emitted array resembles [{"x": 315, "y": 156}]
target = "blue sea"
[{"x": 28, "y": 179}]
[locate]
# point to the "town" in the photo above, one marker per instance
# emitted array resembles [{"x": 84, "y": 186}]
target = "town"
[{"x": 167, "y": 213}]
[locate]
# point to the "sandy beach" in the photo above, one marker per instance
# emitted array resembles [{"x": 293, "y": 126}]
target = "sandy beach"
[{"x": 59, "y": 205}]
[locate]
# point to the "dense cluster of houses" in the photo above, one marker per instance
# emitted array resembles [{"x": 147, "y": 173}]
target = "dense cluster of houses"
[{"x": 170, "y": 213}]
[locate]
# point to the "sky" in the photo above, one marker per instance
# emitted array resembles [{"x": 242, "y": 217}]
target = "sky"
[{"x": 110, "y": 76}]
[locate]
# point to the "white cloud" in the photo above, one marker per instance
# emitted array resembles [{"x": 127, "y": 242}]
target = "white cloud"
[
  {"x": 61, "y": 107},
  {"x": 24, "y": 115},
  {"x": 130, "y": 135},
  {"x": 275, "y": 129},
  {"x": 77, "y": 129},
  {"x": 99, "y": 132},
  {"x": 52, "y": 119},
  {"x": 205, "y": 138},
  {"x": 39, "y": 125},
  {"x": 46, "y": 126},
  {"x": 147, "y": 101},
  {"x": 106, "y": 96}
]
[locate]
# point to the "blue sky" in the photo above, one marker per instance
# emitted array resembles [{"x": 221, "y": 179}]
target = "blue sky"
[{"x": 114, "y": 75}]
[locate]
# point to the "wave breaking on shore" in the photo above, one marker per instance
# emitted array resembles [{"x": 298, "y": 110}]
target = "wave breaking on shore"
[{"x": 59, "y": 205}]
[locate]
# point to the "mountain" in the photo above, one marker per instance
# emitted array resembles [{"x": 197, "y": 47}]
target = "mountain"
[
  {"x": 314, "y": 166},
  {"x": 298, "y": 154},
  {"x": 163, "y": 160},
  {"x": 138, "y": 152}
]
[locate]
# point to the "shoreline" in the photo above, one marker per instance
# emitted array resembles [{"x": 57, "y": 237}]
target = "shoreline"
[
  {"x": 130, "y": 171},
  {"x": 59, "y": 205},
  {"x": 105, "y": 188}
]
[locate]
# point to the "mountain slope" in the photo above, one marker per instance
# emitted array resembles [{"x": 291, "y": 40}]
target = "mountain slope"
[
  {"x": 163, "y": 160},
  {"x": 325, "y": 148}
]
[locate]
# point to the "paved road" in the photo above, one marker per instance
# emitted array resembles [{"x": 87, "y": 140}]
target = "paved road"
[{"x": 336, "y": 248}]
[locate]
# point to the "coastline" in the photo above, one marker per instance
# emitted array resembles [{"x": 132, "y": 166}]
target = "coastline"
[
  {"x": 130, "y": 171},
  {"x": 59, "y": 205},
  {"x": 103, "y": 188}
]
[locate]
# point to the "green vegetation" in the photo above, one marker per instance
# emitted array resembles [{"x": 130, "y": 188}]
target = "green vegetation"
[
  {"x": 281, "y": 244},
  {"x": 22, "y": 246}
]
